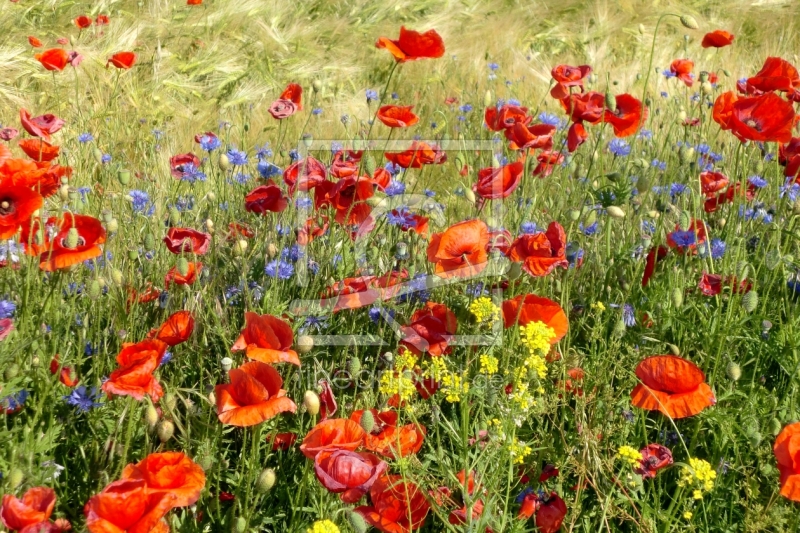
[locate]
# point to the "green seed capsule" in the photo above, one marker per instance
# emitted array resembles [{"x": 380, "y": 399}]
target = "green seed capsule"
[
  {"x": 685, "y": 221},
  {"x": 149, "y": 241},
  {"x": 124, "y": 177},
  {"x": 354, "y": 367},
  {"x": 357, "y": 522},
  {"x": 369, "y": 165},
  {"x": 689, "y": 22},
  {"x": 240, "y": 526},
  {"x": 15, "y": 478},
  {"x": 95, "y": 290},
  {"x": 266, "y": 480},
  {"x": 774, "y": 427},
  {"x": 11, "y": 371},
  {"x": 367, "y": 421},
  {"x": 611, "y": 102},
  {"x": 73, "y": 238},
  {"x": 733, "y": 371},
  {"x": 182, "y": 266},
  {"x": 677, "y": 297},
  {"x": 98, "y": 155},
  {"x": 165, "y": 430},
  {"x": 151, "y": 415},
  {"x": 754, "y": 438},
  {"x": 750, "y": 301},
  {"x": 619, "y": 329}
]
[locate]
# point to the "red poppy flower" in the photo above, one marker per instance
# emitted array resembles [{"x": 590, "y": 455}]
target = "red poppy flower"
[
  {"x": 66, "y": 374},
  {"x": 550, "y": 513},
  {"x": 717, "y": 39},
  {"x": 524, "y": 137},
  {"x": 547, "y": 162},
  {"x": 34, "y": 42},
  {"x": 565, "y": 77},
  {"x": 348, "y": 197},
  {"x": 293, "y": 93},
  {"x": 127, "y": 506},
  {"x": 332, "y": 434},
  {"x": 460, "y": 250},
  {"x": 280, "y": 109},
  {"x": 396, "y": 116},
  {"x": 656, "y": 254},
  {"x": 42, "y": 126},
  {"x": 265, "y": 198},
  {"x": 180, "y": 240},
  {"x": 266, "y": 338},
  {"x": 627, "y": 116},
  {"x": 17, "y": 204},
  {"x": 178, "y": 162},
  {"x": 237, "y": 231},
  {"x": 776, "y": 75},
  {"x": 174, "y": 276},
  {"x": 505, "y": 117},
  {"x": 541, "y": 252},
  {"x": 253, "y": 395},
  {"x": 39, "y": 150},
  {"x": 101, "y": 20},
  {"x": 585, "y": 107},
  {"x": 682, "y": 68},
  {"x": 122, "y": 60},
  {"x": 304, "y": 175},
  {"x": 789, "y": 157},
  {"x": 787, "y": 453},
  {"x": 419, "y": 154},
  {"x": 412, "y": 222},
  {"x": 712, "y": 203},
  {"x": 389, "y": 440},
  {"x": 654, "y": 458},
  {"x": 176, "y": 329},
  {"x": 283, "y": 441},
  {"x": 765, "y": 118},
  {"x": 311, "y": 230},
  {"x": 194, "y": 2},
  {"x": 169, "y": 473},
  {"x": 723, "y": 109},
  {"x": 83, "y": 22},
  {"x": 412, "y": 45},
  {"x": 350, "y": 474},
  {"x": 710, "y": 284},
  {"x": 134, "y": 377},
  {"x": 77, "y": 240},
  {"x": 671, "y": 385},
  {"x": 430, "y": 330},
  {"x": 576, "y": 136},
  {"x": 498, "y": 182},
  {"x": 35, "y": 507},
  {"x": 527, "y": 308},
  {"x": 327, "y": 400},
  {"x": 713, "y": 182},
  {"x": 345, "y": 163},
  {"x": 53, "y": 59},
  {"x": 459, "y": 516},
  {"x": 397, "y": 506}
]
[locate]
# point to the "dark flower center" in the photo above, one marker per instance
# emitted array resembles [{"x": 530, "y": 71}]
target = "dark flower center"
[{"x": 751, "y": 123}]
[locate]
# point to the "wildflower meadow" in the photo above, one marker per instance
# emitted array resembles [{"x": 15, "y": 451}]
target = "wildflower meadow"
[{"x": 412, "y": 265}]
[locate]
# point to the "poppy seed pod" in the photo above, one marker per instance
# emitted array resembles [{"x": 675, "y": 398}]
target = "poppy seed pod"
[
  {"x": 611, "y": 102},
  {"x": 72, "y": 239},
  {"x": 165, "y": 430},
  {"x": 133, "y": 254},
  {"x": 64, "y": 192},
  {"x": 224, "y": 162},
  {"x": 750, "y": 301},
  {"x": 311, "y": 402},
  {"x": 226, "y": 363},
  {"x": 615, "y": 212},
  {"x": 272, "y": 250},
  {"x": 305, "y": 344},
  {"x": 689, "y": 22},
  {"x": 706, "y": 87},
  {"x": 266, "y": 480},
  {"x": 151, "y": 415},
  {"x": 316, "y": 85},
  {"x": 357, "y": 522},
  {"x": 124, "y": 177},
  {"x": 367, "y": 421}
]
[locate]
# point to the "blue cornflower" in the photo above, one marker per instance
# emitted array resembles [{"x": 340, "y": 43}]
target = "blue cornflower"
[
  {"x": 191, "y": 173},
  {"x": 303, "y": 203},
  {"x": 371, "y": 95},
  {"x": 526, "y": 492},
  {"x": 664, "y": 94},
  {"x": 241, "y": 178},
  {"x": 316, "y": 322},
  {"x": 209, "y": 143},
  {"x": 668, "y": 74},
  {"x": 395, "y": 96},
  {"x": 393, "y": 169},
  {"x": 790, "y": 190},
  {"x": 185, "y": 203},
  {"x": 648, "y": 227},
  {"x": 574, "y": 255},
  {"x": 660, "y": 165},
  {"x": 549, "y": 119},
  {"x": 676, "y": 189},
  {"x": 10, "y": 250},
  {"x": 85, "y": 137},
  {"x": 89, "y": 349},
  {"x": 163, "y": 299},
  {"x": 294, "y": 156},
  {"x": 106, "y": 159},
  {"x": 588, "y": 230},
  {"x": 628, "y": 316},
  {"x": 619, "y": 148},
  {"x": 237, "y": 157},
  {"x": 141, "y": 202},
  {"x": 466, "y": 108},
  {"x": 645, "y": 134},
  {"x": 82, "y": 399},
  {"x": 476, "y": 290},
  {"x": 14, "y": 402},
  {"x": 375, "y": 314},
  {"x": 283, "y": 229},
  {"x": 293, "y": 253},
  {"x": 279, "y": 269},
  {"x": 157, "y": 134},
  {"x": 493, "y": 66},
  {"x": 7, "y": 308},
  {"x": 401, "y": 217},
  {"x": 416, "y": 291},
  {"x": 232, "y": 294},
  {"x": 166, "y": 358},
  {"x": 317, "y": 111},
  {"x": 267, "y": 169},
  {"x": 528, "y": 228},
  {"x": 716, "y": 249},
  {"x": 263, "y": 152},
  {"x": 683, "y": 238},
  {"x": 395, "y": 187},
  {"x": 757, "y": 181},
  {"x": 513, "y": 101},
  {"x": 429, "y": 193}
]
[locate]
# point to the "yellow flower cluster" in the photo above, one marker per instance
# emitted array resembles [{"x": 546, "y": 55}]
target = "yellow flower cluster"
[
  {"x": 631, "y": 455},
  {"x": 484, "y": 309},
  {"x": 599, "y": 307},
  {"x": 519, "y": 451},
  {"x": 536, "y": 336},
  {"x": 397, "y": 383},
  {"x": 323, "y": 526},
  {"x": 435, "y": 368},
  {"x": 453, "y": 386},
  {"x": 406, "y": 361},
  {"x": 699, "y": 475},
  {"x": 489, "y": 364}
]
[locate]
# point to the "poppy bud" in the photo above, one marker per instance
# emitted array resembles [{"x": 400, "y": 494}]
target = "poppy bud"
[
  {"x": 35, "y": 361},
  {"x": 703, "y": 77},
  {"x": 677, "y": 297},
  {"x": 165, "y": 430},
  {"x": 684, "y": 221},
  {"x": 116, "y": 277},
  {"x": 304, "y": 344},
  {"x": 615, "y": 211},
  {"x": 112, "y": 226},
  {"x": 212, "y": 398},
  {"x": 401, "y": 251},
  {"x": 240, "y": 526},
  {"x": 742, "y": 270},
  {"x": 686, "y": 153},
  {"x": 311, "y": 402},
  {"x": 681, "y": 118},
  {"x": 205, "y": 463},
  {"x": 124, "y": 177},
  {"x": 590, "y": 219},
  {"x": 98, "y": 155},
  {"x": 11, "y": 371},
  {"x": 369, "y": 164},
  {"x": 674, "y": 349},
  {"x": 574, "y": 215},
  {"x": 266, "y": 480},
  {"x": 619, "y": 329},
  {"x": 182, "y": 266},
  {"x": 224, "y": 162},
  {"x": 316, "y": 85},
  {"x": 488, "y": 98},
  {"x": 611, "y": 102},
  {"x": 106, "y": 215},
  {"x": 308, "y": 140},
  {"x": 721, "y": 222},
  {"x": 367, "y": 421},
  {"x": 149, "y": 241},
  {"x": 774, "y": 427},
  {"x": 754, "y": 438},
  {"x": 15, "y": 478},
  {"x": 641, "y": 29},
  {"x": 240, "y": 247},
  {"x": 63, "y": 192},
  {"x": 726, "y": 72},
  {"x": 772, "y": 259},
  {"x": 354, "y": 366},
  {"x": 151, "y": 415},
  {"x": 750, "y": 301},
  {"x": 357, "y": 522},
  {"x": 706, "y": 87},
  {"x": 209, "y": 225},
  {"x": 211, "y": 196},
  {"x": 689, "y": 22},
  {"x": 174, "y": 217},
  {"x": 733, "y": 371},
  {"x": 272, "y": 250},
  {"x": 94, "y": 290}
]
